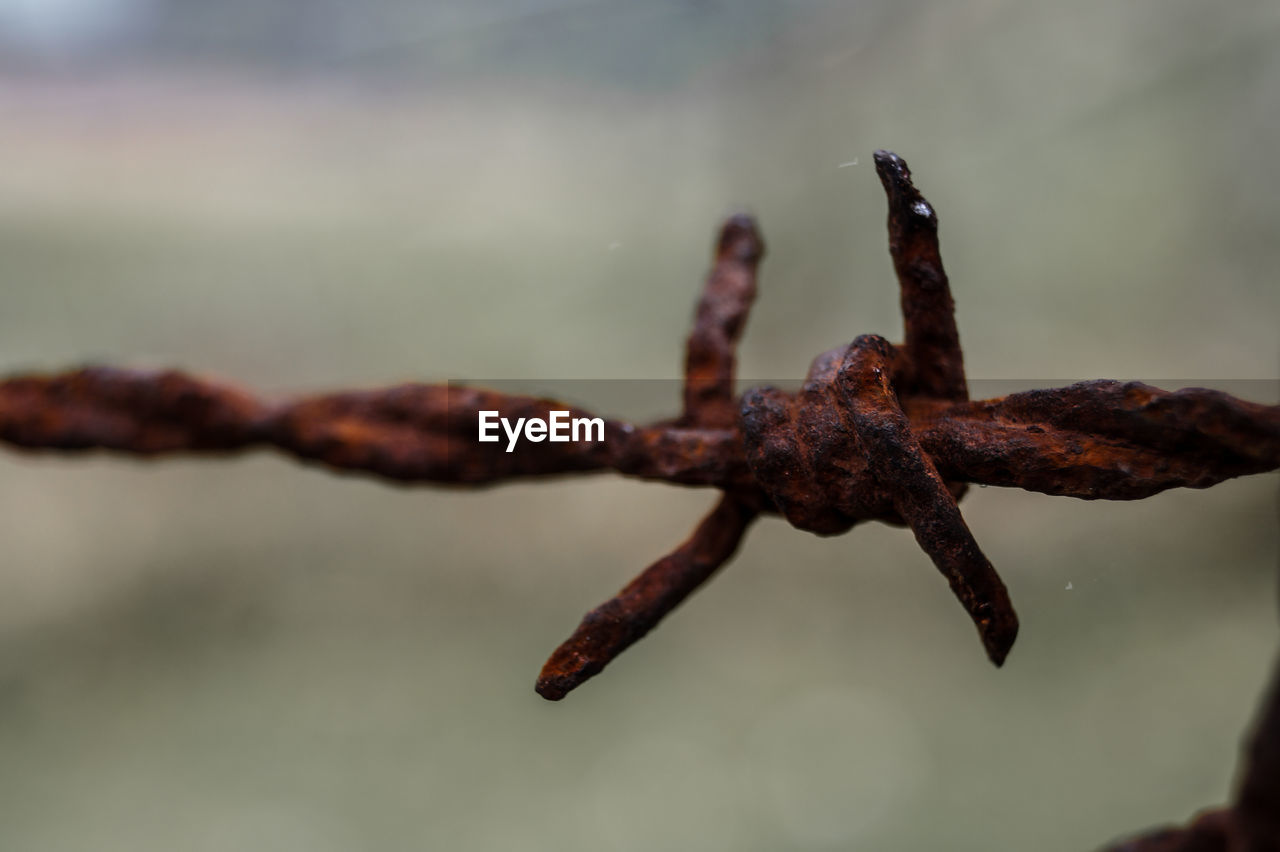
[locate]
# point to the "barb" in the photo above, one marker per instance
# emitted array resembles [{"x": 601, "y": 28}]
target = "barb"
[
  {"x": 934, "y": 365},
  {"x": 619, "y": 622},
  {"x": 919, "y": 495},
  {"x": 710, "y": 360},
  {"x": 877, "y": 432}
]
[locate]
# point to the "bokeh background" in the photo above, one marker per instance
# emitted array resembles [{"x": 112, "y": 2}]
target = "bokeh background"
[{"x": 247, "y": 654}]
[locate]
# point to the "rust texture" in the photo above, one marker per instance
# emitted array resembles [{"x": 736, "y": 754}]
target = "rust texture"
[{"x": 877, "y": 432}]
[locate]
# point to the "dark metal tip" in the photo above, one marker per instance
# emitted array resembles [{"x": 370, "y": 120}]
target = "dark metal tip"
[
  {"x": 998, "y": 638},
  {"x": 740, "y": 238},
  {"x": 905, "y": 201},
  {"x": 551, "y": 689},
  {"x": 891, "y": 167},
  {"x": 570, "y": 665},
  {"x": 885, "y": 158}
]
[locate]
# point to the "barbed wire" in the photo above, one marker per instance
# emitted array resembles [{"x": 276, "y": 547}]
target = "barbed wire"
[{"x": 877, "y": 432}]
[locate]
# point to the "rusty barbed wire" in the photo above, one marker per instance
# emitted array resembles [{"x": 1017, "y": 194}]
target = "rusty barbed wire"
[{"x": 876, "y": 432}]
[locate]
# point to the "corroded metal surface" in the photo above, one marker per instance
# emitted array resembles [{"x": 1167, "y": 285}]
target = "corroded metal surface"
[
  {"x": 877, "y": 432},
  {"x": 615, "y": 625}
]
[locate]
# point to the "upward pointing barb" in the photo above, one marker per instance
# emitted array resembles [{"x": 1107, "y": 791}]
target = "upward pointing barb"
[
  {"x": 711, "y": 354},
  {"x": 933, "y": 364}
]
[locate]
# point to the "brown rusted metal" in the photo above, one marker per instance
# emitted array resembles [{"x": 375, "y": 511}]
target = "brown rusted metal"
[
  {"x": 876, "y": 432},
  {"x": 710, "y": 356},
  {"x": 616, "y": 624}
]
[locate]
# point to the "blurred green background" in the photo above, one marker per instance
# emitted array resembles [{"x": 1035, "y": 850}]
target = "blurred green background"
[{"x": 246, "y": 654}]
